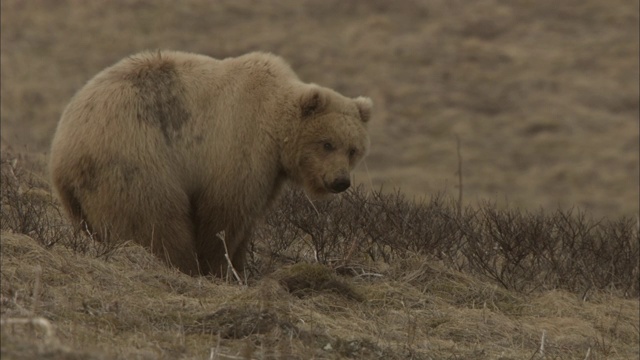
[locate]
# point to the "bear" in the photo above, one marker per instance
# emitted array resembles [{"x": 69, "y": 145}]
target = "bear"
[{"x": 172, "y": 149}]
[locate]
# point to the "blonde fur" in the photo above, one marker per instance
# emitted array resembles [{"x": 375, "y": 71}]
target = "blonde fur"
[{"x": 170, "y": 148}]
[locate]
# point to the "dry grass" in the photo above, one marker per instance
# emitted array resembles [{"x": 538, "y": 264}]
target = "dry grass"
[
  {"x": 383, "y": 299},
  {"x": 543, "y": 96},
  {"x": 134, "y": 307}
]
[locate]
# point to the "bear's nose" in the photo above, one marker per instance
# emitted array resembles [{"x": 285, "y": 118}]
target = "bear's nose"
[{"x": 340, "y": 185}]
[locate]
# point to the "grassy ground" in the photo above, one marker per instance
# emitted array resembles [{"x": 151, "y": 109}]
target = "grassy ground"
[
  {"x": 81, "y": 300},
  {"x": 542, "y": 95},
  {"x": 133, "y": 307},
  {"x": 406, "y": 283}
]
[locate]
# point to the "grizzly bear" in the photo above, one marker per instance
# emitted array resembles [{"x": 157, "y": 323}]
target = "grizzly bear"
[{"x": 170, "y": 149}]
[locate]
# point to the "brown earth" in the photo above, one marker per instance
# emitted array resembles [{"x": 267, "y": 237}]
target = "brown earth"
[{"x": 542, "y": 95}]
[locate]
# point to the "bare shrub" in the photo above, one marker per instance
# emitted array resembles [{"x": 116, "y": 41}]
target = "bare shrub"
[
  {"x": 567, "y": 250},
  {"x": 608, "y": 256},
  {"x": 27, "y": 208},
  {"x": 502, "y": 245},
  {"x": 521, "y": 251}
]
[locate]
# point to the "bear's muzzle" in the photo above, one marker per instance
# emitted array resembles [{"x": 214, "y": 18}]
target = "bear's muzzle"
[{"x": 340, "y": 185}]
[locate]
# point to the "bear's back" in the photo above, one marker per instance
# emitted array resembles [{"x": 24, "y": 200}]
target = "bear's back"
[{"x": 182, "y": 112}]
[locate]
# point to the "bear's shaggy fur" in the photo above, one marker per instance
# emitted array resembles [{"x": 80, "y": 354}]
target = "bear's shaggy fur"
[{"x": 170, "y": 149}]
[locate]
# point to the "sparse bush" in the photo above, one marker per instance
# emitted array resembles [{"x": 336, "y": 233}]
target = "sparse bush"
[
  {"x": 28, "y": 209},
  {"x": 521, "y": 251}
]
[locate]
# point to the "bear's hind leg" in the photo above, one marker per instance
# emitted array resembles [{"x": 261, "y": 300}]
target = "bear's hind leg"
[
  {"x": 173, "y": 243},
  {"x": 166, "y": 228}
]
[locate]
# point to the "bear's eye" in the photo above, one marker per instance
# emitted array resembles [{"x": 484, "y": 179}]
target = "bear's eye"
[
  {"x": 352, "y": 152},
  {"x": 327, "y": 146}
]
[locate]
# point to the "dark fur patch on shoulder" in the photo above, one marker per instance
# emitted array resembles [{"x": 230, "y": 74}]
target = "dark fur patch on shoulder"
[
  {"x": 128, "y": 170},
  {"x": 159, "y": 91}
]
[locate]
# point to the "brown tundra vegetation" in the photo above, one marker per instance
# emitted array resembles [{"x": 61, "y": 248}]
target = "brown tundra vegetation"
[{"x": 538, "y": 259}]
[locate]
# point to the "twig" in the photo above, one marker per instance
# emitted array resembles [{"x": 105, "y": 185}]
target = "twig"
[
  {"x": 36, "y": 290},
  {"x": 459, "y": 176},
  {"x": 226, "y": 256},
  {"x": 311, "y": 202},
  {"x": 366, "y": 168},
  {"x": 12, "y": 171},
  {"x": 369, "y": 274},
  {"x": 214, "y": 351},
  {"x": 352, "y": 248}
]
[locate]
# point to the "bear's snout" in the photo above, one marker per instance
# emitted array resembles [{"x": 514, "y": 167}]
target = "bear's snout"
[{"x": 340, "y": 185}]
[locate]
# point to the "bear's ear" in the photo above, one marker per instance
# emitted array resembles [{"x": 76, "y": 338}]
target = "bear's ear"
[
  {"x": 312, "y": 102},
  {"x": 364, "y": 107}
]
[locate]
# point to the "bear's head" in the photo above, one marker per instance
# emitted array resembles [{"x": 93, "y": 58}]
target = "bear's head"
[{"x": 329, "y": 140}]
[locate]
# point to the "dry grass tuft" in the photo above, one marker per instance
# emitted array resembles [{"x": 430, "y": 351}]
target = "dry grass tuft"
[
  {"x": 305, "y": 279},
  {"x": 239, "y": 323}
]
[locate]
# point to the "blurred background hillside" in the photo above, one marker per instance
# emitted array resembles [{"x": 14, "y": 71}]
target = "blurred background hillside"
[{"x": 543, "y": 95}]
